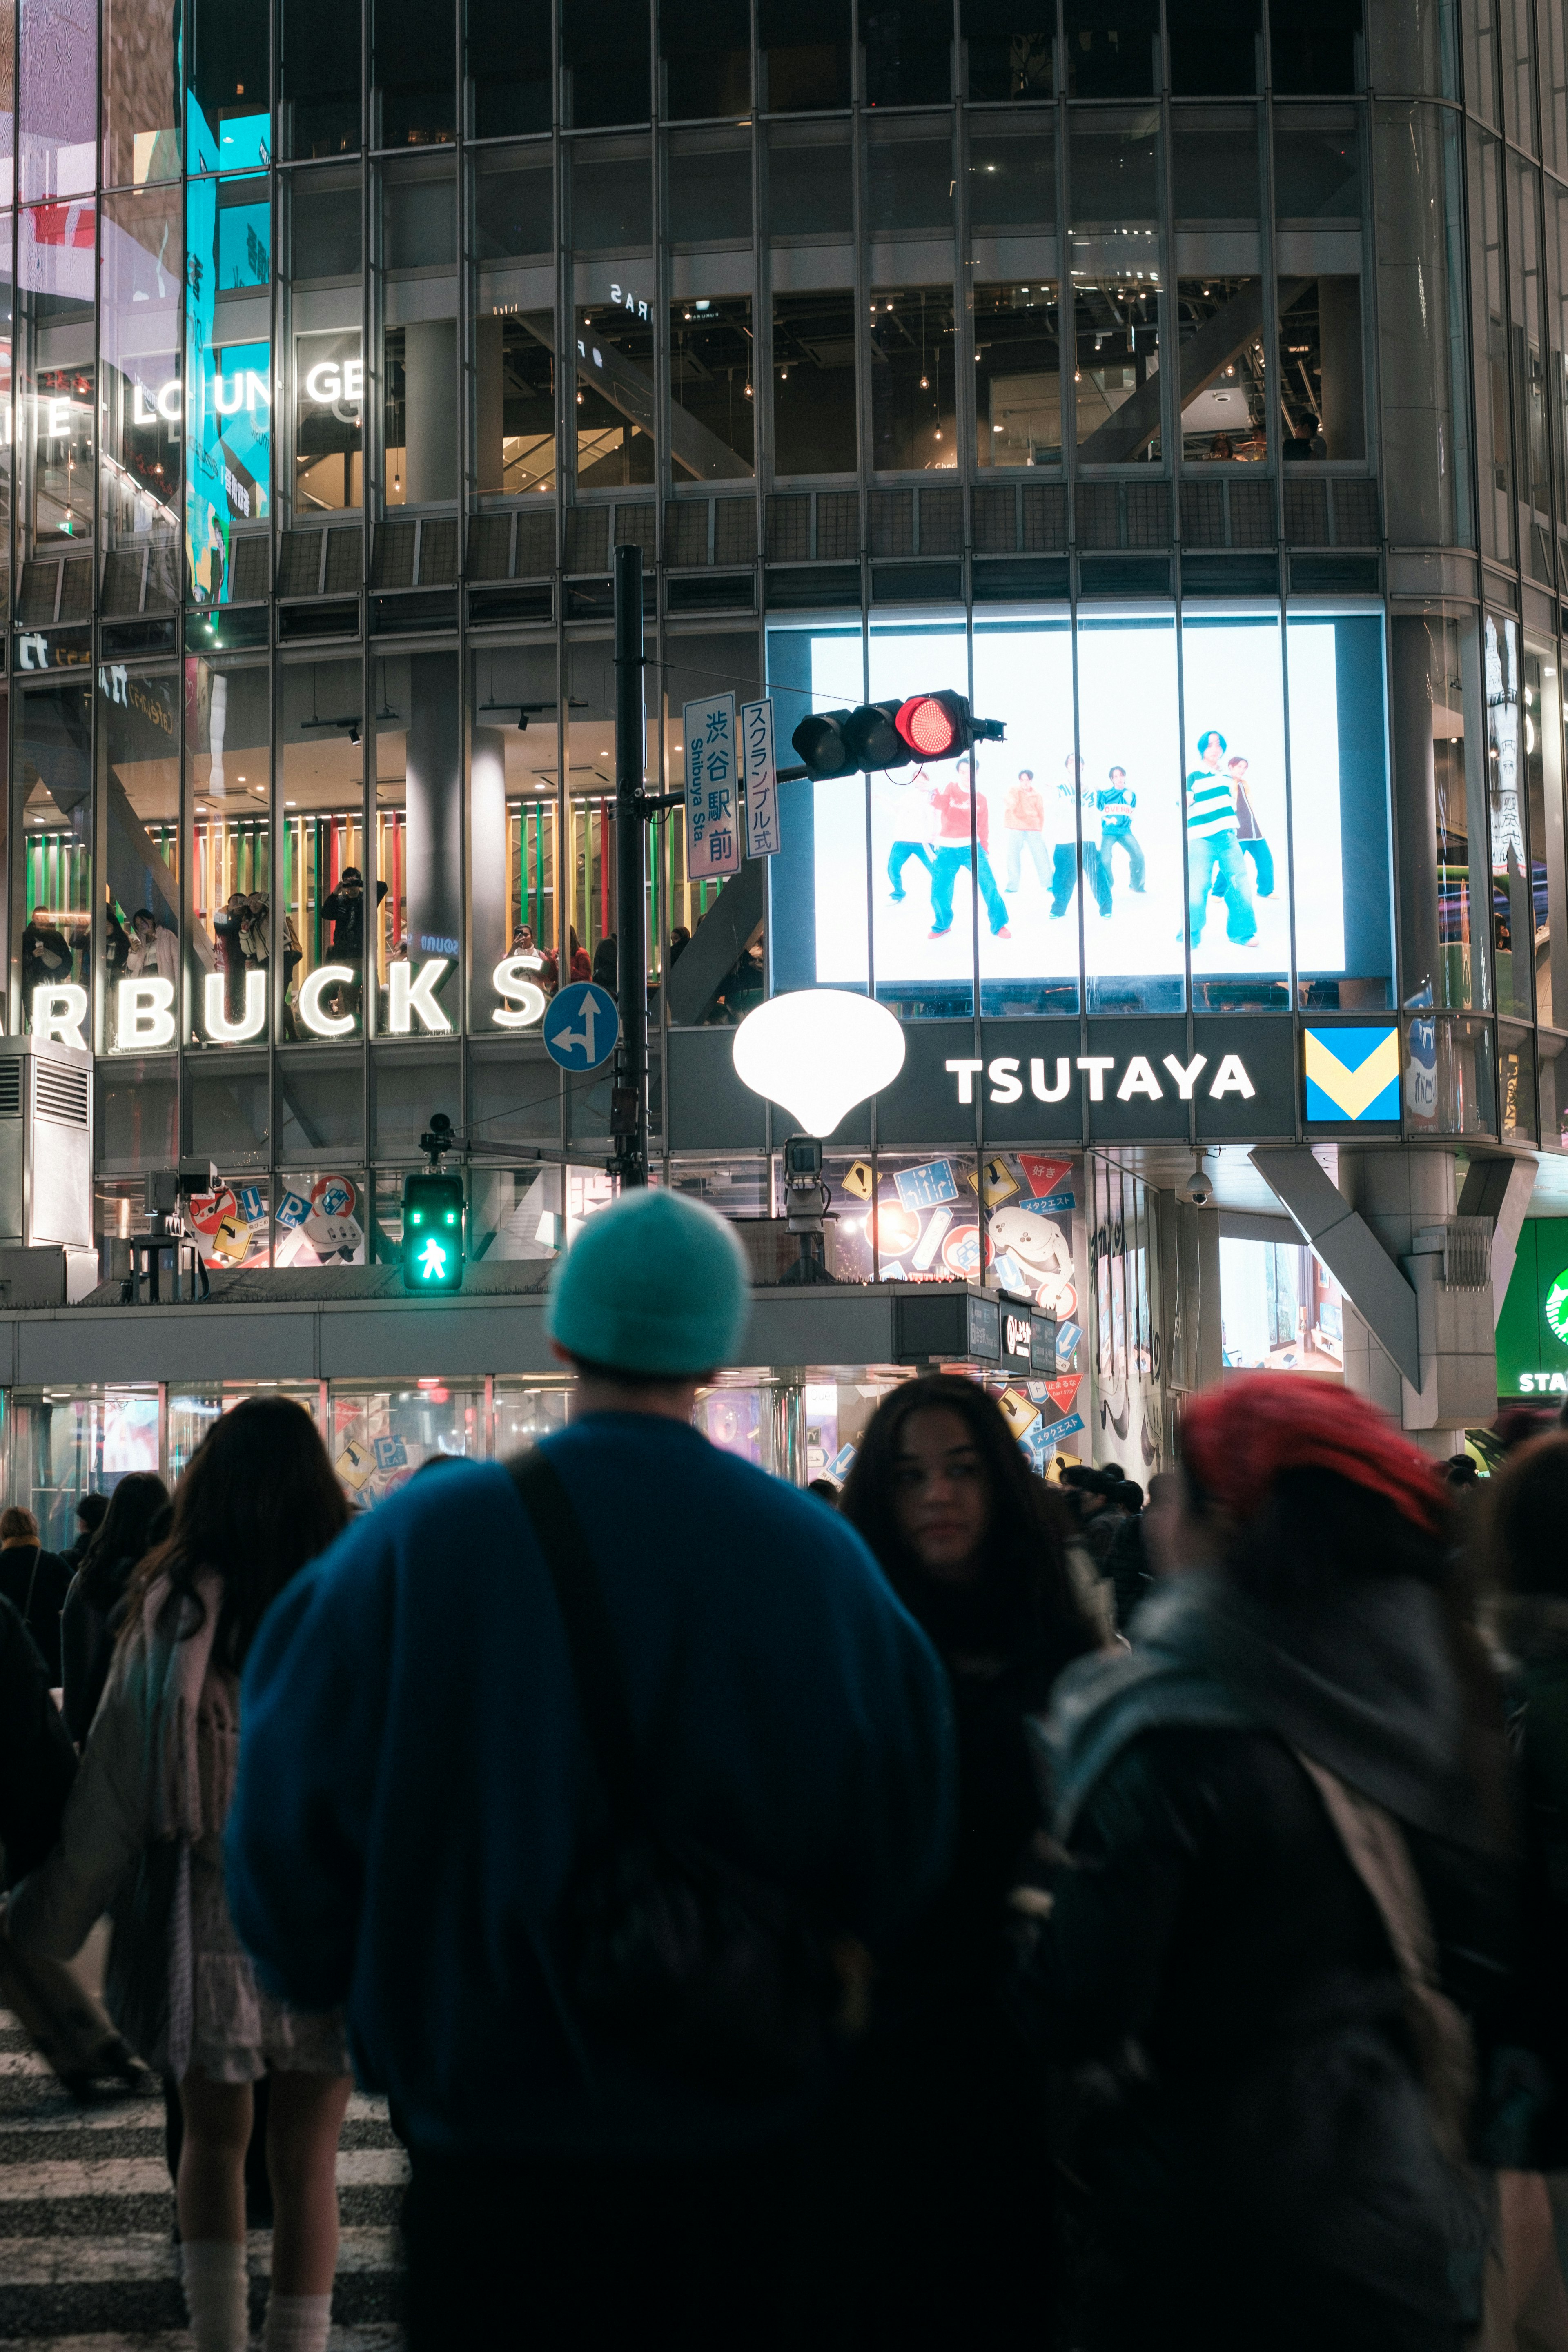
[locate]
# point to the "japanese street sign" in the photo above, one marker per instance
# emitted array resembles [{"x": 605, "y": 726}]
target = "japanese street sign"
[
  {"x": 712, "y": 793},
  {"x": 762, "y": 780}
]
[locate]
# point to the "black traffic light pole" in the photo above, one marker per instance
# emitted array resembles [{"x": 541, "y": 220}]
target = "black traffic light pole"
[{"x": 628, "y": 1100}]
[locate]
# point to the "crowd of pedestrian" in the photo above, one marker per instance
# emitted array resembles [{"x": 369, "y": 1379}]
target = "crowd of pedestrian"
[{"x": 957, "y": 1907}]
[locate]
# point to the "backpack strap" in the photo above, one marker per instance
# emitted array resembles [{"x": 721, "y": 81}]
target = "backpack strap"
[
  {"x": 590, "y": 1637},
  {"x": 1375, "y": 1846}
]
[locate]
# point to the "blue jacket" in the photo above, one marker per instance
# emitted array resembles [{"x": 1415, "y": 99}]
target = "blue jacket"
[{"x": 413, "y": 1779}]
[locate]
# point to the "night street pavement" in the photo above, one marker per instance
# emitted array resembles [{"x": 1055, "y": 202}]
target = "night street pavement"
[{"x": 87, "y": 2260}]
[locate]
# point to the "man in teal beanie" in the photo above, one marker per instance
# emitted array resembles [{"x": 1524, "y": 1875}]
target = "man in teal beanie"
[{"x": 416, "y": 1790}]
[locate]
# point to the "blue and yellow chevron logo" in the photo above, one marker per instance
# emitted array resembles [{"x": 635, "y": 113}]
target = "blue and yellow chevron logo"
[{"x": 1352, "y": 1074}]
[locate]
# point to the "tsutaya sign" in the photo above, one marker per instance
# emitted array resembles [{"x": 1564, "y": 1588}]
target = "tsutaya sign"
[
  {"x": 145, "y": 1019},
  {"x": 1184, "y": 1080}
]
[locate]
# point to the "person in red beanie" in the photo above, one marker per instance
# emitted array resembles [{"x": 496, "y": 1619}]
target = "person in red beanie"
[{"x": 1293, "y": 1776}]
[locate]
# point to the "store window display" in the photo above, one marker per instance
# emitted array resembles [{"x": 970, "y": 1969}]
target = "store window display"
[
  {"x": 234, "y": 947},
  {"x": 138, "y": 749},
  {"x": 51, "y": 821}
]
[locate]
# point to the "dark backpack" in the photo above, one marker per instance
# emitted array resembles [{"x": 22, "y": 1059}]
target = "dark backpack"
[{"x": 671, "y": 1950}]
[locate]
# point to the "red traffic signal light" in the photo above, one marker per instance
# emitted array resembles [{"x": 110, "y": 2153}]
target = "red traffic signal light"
[{"x": 935, "y": 725}]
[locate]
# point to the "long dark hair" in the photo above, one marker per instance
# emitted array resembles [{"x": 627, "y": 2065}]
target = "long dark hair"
[
  {"x": 122, "y": 1537},
  {"x": 258, "y": 1502},
  {"x": 1027, "y": 1587},
  {"x": 1524, "y": 1517}
]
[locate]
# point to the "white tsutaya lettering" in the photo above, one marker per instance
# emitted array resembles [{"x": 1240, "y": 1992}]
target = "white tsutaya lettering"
[
  {"x": 1138, "y": 1078},
  {"x": 1037, "y": 1086},
  {"x": 1006, "y": 1085},
  {"x": 965, "y": 1074},
  {"x": 1231, "y": 1079},
  {"x": 1097, "y": 1066},
  {"x": 1186, "y": 1077}
]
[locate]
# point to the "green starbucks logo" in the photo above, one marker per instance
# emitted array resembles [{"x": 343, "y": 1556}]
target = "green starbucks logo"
[{"x": 1557, "y": 1306}]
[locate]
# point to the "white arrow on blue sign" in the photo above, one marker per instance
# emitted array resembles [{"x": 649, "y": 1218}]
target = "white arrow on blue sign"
[{"x": 581, "y": 1027}]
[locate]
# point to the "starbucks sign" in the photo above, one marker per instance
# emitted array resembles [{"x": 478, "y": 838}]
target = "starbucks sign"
[{"x": 1555, "y": 1307}]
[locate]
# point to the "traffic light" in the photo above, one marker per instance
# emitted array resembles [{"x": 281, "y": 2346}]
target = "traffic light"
[
  {"x": 432, "y": 1232},
  {"x": 940, "y": 726},
  {"x": 889, "y": 734}
]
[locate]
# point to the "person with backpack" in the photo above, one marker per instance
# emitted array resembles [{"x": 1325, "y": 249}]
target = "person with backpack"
[
  {"x": 142, "y": 1838},
  {"x": 594, "y": 1785},
  {"x": 1283, "y": 1933}
]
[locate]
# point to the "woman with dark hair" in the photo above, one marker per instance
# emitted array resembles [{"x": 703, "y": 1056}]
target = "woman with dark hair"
[
  {"x": 142, "y": 1838},
  {"x": 945, "y": 2131},
  {"x": 91, "y": 1616},
  {"x": 1285, "y": 1913}
]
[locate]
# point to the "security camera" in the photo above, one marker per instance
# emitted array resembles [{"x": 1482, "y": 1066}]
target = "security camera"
[{"x": 1198, "y": 1189}]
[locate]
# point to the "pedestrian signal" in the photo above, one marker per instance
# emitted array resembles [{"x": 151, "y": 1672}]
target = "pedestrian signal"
[
  {"x": 881, "y": 735},
  {"x": 432, "y": 1232}
]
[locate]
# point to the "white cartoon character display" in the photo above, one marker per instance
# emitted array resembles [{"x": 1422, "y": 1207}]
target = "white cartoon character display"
[{"x": 1042, "y": 1249}]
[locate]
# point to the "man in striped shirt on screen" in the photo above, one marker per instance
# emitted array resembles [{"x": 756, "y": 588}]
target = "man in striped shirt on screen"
[{"x": 1215, "y": 860}]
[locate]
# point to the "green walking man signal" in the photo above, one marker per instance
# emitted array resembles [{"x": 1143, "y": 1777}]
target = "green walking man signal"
[{"x": 432, "y": 1232}]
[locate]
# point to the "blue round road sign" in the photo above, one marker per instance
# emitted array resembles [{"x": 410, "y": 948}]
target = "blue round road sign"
[{"x": 581, "y": 1027}]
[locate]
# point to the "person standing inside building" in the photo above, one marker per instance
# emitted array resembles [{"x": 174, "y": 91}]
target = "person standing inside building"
[
  {"x": 1249, "y": 832},
  {"x": 423, "y": 1819},
  {"x": 1116, "y": 802},
  {"x": 1284, "y": 1818},
  {"x": 34, "y": 1582},
  {"x": 142, "y": 1838},
  {"x": 943, "y": 2133},
  {"x": 344, "y": 909},
  {"x": 1022, "y": 822},
  {"x": 1214, "y": 852},
  {"x": 958, "y": 805}
]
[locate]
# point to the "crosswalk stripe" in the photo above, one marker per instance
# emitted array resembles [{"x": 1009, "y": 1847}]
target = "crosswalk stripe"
[
  {"x": 145, "y": 2176},
  {"x": 153, "y": 2254}
]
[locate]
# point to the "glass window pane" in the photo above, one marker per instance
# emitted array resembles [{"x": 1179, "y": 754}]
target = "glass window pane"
[
  {"x": 1423, "y": 340},
  {"x": 1518, "y": 71},
  {"x": 1131, "y": 815},
  {"x": 1111, "y": 48},
  {"x": 1028, "y": 789},
  {"x": 139, "y": 772},
  {"x": 1557, "y": 342},
  {"x": 511, "y": 72},
  {"x": 711, "y": 194},
  {"x": 55, "y": 410},
  {"x": 139, "y": 348},
  {"x": 57, "y": 98},
  {"x": 329, "y": 380},
  {"x": 322, "y": 885},
  {"x": 233, "y": 941},
  {"x": 1529, "y": 370},
  {"x": 819, "y": 885},
  {"x": 810, "y": 182},
  {"x": 1480, "y": 32},
  {"x": 1494, "y": 455},
  {"x": 813, "y": 383},
  {"x": 807, "y": 55},
  {"x": 1435, "y": 675},
  {"x": 1513, "y": 918},
  {"x": 1009, "y": 47},
  {"x": 1317, "y": 51},
  {"x": 418, "y": 923},
  {"x": 512, "y": 825},
  {"x": 605, "y": 56},
  {"x": 909, "y": 185},
  {"x": 1224, "y": 404},
  {"x": 1543, "y": 770},
  {"x": 1012, "y": 175},
  {"x": 7, "y": 419},
  {"x": 140, "y": 94},
  {"x": 1554, "y": 28},
  {"x": 1216, "y": 46},
  {"x": 319, "y": 78},
  {"x": 612, "y": 200},
  {"x": 228, "y": 117},
  {"x": 326, "y": 239},
  {"x": 1214, "y": 179},
  {"x": 908, "y": 51},
  {"x": 1238, "y": 917},
  {"x": 614, "y": 410},
  {"x": 514, "y": 210},
  {"x": 228, "y": 370},
  {"x": 514, "y": 403},
  {"x": 1114, "y": 252},
  {"x": 1339, "y": 814},
  {"x": 705, "y": 47},
  {"x": 1018, "y": 376},
  {"x": 712, "y": 398},
  {"x": 1322, "y": 370},
  {"x": 51, "y": 821},
  {"x": 412, "y": 73},
  {"x": 915, "y": 392}
]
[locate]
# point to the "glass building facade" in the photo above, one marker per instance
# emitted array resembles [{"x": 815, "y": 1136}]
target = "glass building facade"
[{"x": 1182, "y": 380}]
